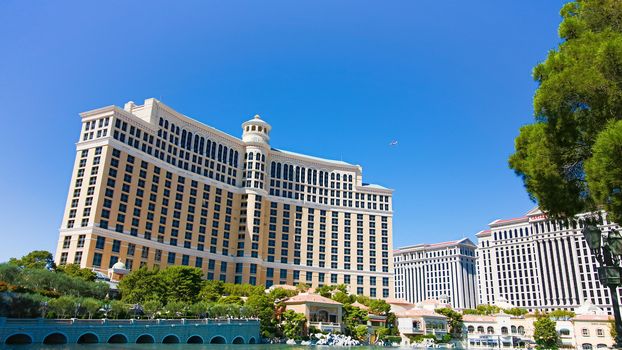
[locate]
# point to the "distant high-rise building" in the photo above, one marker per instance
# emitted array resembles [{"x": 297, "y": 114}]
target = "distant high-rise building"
[
  {"x": 152, "y": 187},
  {"x": 538, "y": 263},
  {"x": 444, "y": 271}
]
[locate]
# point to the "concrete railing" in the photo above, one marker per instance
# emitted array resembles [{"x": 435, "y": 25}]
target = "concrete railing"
[{"x": 30, "y": 322}]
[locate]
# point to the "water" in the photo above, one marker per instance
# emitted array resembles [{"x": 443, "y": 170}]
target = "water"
[{"x": 182, "y": 347}]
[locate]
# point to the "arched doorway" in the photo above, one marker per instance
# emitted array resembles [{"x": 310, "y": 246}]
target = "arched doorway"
[
  {"x": 145, "y": 339},
  {"x": 218, "y": 340},
  {"x": 88, "y": 338},
  {"x": 117, "y": 339},
  {"x": 252, "y": 340},
  {"x": 55, "y": 338},
  {"x": 195, "y": 339},
  {"x": 170, "y": 339},
  {"x": 238, "y": 340},
  {"x": 18, "y": 339}
]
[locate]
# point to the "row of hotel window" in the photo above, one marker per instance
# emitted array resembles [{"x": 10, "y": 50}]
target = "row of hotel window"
[
  {"x": 544, "y": 227},
  {"x": 187, "y": 244},
  {"x": 202, "y": 146}
]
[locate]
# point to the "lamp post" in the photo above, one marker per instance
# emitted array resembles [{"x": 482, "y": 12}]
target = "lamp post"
[{"x": 608, "y": 252}]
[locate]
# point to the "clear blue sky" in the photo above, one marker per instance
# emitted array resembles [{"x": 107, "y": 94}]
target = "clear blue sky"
[{"x": 450, "y": 80}]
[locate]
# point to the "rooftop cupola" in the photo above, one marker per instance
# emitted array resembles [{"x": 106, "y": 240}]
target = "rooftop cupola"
[{"x": 256, "y": 131}]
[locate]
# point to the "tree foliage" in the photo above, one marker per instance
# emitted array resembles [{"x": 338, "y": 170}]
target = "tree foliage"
[
  {"x": 455, "y": 321},
  {"x": 483, "y": 309},
  {"x": 293, "y": 324},
  {"x": 37, "y": 259},
  {"x": 516, "y": 311},
  {"x": 579, "y": 95},
  {"x": 545, "y": 334},
  {"x": 75, "y": 271}
]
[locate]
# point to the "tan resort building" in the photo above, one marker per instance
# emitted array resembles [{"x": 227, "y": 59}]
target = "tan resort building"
[{"x": 153, "y": 187}]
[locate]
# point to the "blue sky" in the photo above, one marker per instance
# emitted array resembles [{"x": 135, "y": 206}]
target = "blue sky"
[{"x": 450, "y": 80}]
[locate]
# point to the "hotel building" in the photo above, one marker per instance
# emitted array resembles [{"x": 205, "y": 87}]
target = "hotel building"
[
  {"x": 444, "y": 271},
  {"x": 538, "y": 263},
  {"x": 152, "y": 187}
]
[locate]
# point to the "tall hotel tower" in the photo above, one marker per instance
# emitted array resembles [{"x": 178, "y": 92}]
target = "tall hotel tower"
[
  {"x": 538, "y": 263},
  {"x": 152, "y": 187},
  {"x": 444, "y": 271}
]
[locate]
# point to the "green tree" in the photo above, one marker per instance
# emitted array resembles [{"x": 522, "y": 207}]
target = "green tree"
[
  {"x": 212, "y": 291},
  {"x": 9, "y": 273},
  {"x": 151, "y": 307},
  {"x": 118, "y": 309},
  {"x": 175, "y": 308},
  {"x": 141, "y": 285},
  {"x": 37, "y": 259},
  {"x": 231, "y": 299},
  {"x": 91, "y": 306},
  {"x": 378, "y": 307},
  {"x": 482, "y": 310},
  {"x": 353, "y": 317},
  {"x": 579, "y": 95},
  {"x": 545, "y": 334},
  {"x": 262, "y": 307},
  {"x": 199, "y": 309},
  {"x": 64, "y": 306},
  {"x": 183, "y": 283},
  {"x": 360, "y": 332},
  {"x": 561, "y": 314},
  {"x": 515, "y": 311},
  {"x": 75, "y": 271},
  {"x": 454, "y": 321},
  {"x": 604, "y": 170},
  {"x": 293, "y": 324}
]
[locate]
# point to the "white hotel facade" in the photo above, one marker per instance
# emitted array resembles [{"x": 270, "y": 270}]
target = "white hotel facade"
[
  {"x": 443, "y": 271},
  {"x": 538, "y": 264}
]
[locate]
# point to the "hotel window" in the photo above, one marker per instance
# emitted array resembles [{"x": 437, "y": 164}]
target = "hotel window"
[
  {"x": 99, "y": 244},
  {"x": 171, "y": 258},
  {"x": 77, "y": 259},
  {"x": 113, "y": 260},
  {"x": 66, "y": 242},
  {"x": 585, "y": 332},
  {"x": 97, "y": 259},
  {"x": 600, "y": 332},
  {"x": 63, "y": 258}
]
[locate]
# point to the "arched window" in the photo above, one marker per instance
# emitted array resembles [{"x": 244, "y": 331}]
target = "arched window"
[
  {"x": 471, "y": 329},
  {"x": 235, "y": 159},
  {"x": 208, "y": 148},
  {"x": 278, "y": 170},
  {"x": 189, "y": 142},
  {"x": 161, "y": 122},
  {"x": 504, "y": 330},
  {"x": 202, "y": 146},
  {"x": 263, "y": 157},
  {"x": 196, "y": 144},
  {"x": 513, "y": 329},
  {"x": 165, "y": 124},
  {"x": 490, "y": 330},
  {"x": 480, "y": 329},
  {"x": 258, "y": 156},
  {"x": 586, "y": 346},
  {"x": 183, "y": 138},
  {"x": 225, "y": 151},
  {"x": 220, "y": 153},
  {"x": 213, "y": 155},
  {"x": 272, "y": 169},
  {"x": 291, "y": 173},
  {"x": 231, "y": 156},
  {"x": 521, "y": 330},
  {"x": 285, "y": 171}
]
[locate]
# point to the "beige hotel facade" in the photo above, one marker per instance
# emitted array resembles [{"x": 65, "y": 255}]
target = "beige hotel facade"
[{"x": 152, "y": 187}]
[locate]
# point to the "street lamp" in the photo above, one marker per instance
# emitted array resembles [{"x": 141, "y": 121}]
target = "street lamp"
[{"x": 608, "y": 252}]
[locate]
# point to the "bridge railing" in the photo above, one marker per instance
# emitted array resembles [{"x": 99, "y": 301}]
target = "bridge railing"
[{"x": 33, "y": 322}]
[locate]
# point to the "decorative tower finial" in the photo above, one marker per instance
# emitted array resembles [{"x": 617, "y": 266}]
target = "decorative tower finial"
[{"x": 256, "y": 130}]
